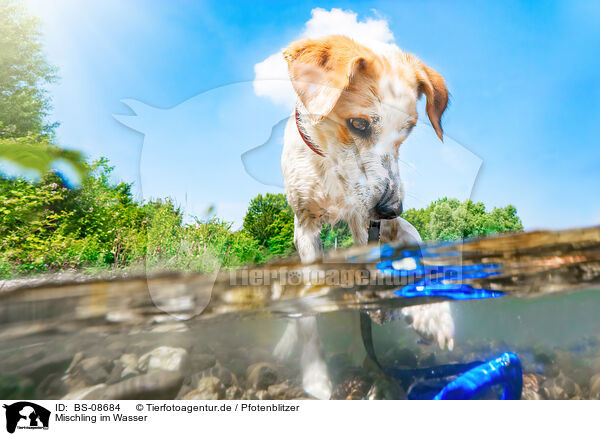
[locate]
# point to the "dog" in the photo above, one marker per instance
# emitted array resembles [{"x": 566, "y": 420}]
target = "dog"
[{"x": 356, "y": 105}]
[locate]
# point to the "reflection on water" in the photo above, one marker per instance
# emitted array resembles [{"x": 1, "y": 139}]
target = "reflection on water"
[{"x": 536, "y": 296}]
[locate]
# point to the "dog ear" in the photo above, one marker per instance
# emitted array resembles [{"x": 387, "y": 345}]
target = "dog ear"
[
  {"x": 321, "y": 69},
  {"x": 432, "y": 84}
]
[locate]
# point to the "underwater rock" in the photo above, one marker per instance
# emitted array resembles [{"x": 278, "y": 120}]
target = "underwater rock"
[
  {"x": 595, "y": 387},
  {"x": 226, "y": 377},
  {"x": 208, "y": 388},
  {"x": 261, "y": 375},
  {"x": 263, "y": 395},
  {"x": 115, "y": 373},
  {"x": 561, "y": 388},
  {"x": 164, "y": 358},
  {"x": 279, "y": 391},
  {"x": 531, "y": 386},
  {"x": 249, "y": 394},
  {"x": 233, "y": 393},
  {"x": 83, "y": 372},
  {"x": 355, "y": 385},
  {"x": 93, "y": 370},
  {"x": 129, "y": 363},
  {"x": 78, "y": 357},
  {"x": 155, "y": 385}
]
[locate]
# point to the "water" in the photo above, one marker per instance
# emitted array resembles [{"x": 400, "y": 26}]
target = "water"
[{"x": 190, "y": 336}]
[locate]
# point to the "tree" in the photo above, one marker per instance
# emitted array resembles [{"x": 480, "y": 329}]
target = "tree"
[
  {"x": 24, "y": 73},
  {"x": 25, "y": 134},
  {"x": 451, "y": 219},
  {"x": 269, "y": 217}
]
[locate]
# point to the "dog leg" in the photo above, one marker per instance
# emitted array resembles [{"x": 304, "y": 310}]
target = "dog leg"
[
  {"x": 433, "y": 322},
  {"x": 315, "y": 378},
  {"x": 308, "y": 243},
  {"x": 307, "y": 239},
  {"x": 284, "y": 348}
]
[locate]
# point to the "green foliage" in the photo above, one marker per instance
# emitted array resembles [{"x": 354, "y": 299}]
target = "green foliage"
[
  {"x": 270, "y": 221},
  {"x": 451, "y": 219},
  {"x": 46, "y": 227},
  {"x": 37, "y": 153},
  {"x": 336, "y": 236},
  {"x": 24, "y": 72}
]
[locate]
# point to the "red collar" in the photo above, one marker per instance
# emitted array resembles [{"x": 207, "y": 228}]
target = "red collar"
[{"x": 304, "y": 137}]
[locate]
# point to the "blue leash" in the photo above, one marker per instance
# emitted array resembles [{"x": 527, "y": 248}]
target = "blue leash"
[
  {"x": 505, "y": 370},
  {"x": 471, "y": 379}
]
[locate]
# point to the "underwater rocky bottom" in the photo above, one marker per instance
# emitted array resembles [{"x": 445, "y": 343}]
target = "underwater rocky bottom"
[{"x": 199, "y": 360}]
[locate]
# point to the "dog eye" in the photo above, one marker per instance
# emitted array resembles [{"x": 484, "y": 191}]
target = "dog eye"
[{"x": 358, "y": 124}]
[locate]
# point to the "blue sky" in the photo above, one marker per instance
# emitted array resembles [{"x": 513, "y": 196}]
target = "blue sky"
[{"x": 523, "y": 78}]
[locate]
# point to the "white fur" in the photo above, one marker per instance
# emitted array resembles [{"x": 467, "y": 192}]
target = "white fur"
[{"x": 346, "y": 184}]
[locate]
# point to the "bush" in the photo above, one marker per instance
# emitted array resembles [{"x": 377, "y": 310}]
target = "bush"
[
  {"x": 451, "y": 219},
  {"x": 46, "y": 227}
]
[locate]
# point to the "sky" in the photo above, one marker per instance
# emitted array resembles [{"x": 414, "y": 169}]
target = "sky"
[{"x": 188, "y": 98}]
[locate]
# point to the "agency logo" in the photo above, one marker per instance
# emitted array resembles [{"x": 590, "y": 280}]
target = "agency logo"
[{"x": 26, "y": 415}]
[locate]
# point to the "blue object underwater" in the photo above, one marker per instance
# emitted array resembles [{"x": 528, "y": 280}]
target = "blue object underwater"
[
  {"x": 472, "y": 379},
  {"x": 505, "y": 370}
]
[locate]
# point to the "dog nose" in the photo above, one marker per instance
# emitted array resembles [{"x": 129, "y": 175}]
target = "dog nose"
[{"x": 387, "y": 211}]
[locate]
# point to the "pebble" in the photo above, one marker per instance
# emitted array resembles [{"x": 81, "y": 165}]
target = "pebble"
[
  {"x": 226, "y": 377},
  {"x": 531, "y": 386},
  {"x": 561, "y": 388},
  {"x": 208, "y": 388},
  {"x": 93, "y": 370},
  {"x": 355, "y": 385},
  {"x": 595, "y": 387},
  {"x": 261, "y": 375},
  {"x": 165, "y": 359},
  {"x": 279, "y": 391},
  {"x": 233, "y": 393},
  {"x": 129, "y": 363}
]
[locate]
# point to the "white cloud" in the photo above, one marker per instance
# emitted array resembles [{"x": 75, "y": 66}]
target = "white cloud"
[{"x": 271, "y": 76}]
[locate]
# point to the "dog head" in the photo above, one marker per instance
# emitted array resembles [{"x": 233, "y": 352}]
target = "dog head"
[{"x": 358, "y": 105}]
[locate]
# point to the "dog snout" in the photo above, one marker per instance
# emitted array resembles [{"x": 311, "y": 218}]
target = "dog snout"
[
  {"x": 386, "y": 211},
  {"x": 388, "y": 206}
]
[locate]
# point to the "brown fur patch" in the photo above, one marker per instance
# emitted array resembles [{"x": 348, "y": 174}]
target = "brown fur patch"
[
  {"x": 342, "y": 134},
  {"x": 389, "y": 233},
  {"x": 323, "y": 69}
]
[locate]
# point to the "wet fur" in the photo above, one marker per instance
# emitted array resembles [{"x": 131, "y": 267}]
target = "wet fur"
[{"x": 336, "y": 79}]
